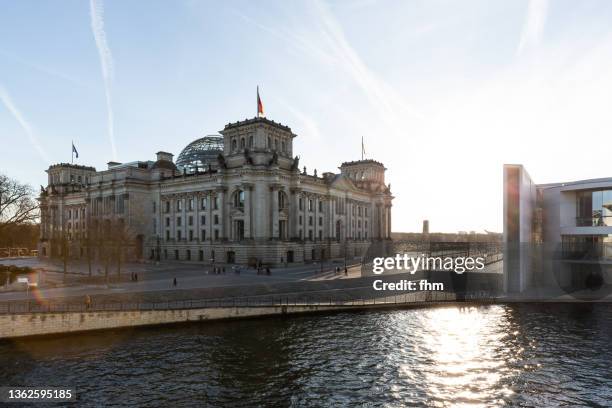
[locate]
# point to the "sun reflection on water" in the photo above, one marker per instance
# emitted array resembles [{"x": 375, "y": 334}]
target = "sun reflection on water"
[{"x": 466, "y": 364}]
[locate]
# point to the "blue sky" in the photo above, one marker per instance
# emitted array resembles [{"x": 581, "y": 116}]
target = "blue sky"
[{"x": 444, "y": 92}]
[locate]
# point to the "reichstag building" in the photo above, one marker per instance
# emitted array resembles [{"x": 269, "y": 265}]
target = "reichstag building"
[{"x": 239, "y": 197}]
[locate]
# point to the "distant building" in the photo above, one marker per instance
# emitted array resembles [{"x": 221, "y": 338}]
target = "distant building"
[
  {"x": 556, "y": 234},
  {"x": 425, "y": 226},
  {"x": 236, "y": 198}
]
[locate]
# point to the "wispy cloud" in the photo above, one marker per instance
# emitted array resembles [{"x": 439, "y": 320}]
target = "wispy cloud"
[
  {"x": 7, "y": 101},
  {"x": 533, "y": 28},
  {"x": 96, "y": 11},
  {"x": 43, "y": 69},
  {"x": 384, "y": 99}
]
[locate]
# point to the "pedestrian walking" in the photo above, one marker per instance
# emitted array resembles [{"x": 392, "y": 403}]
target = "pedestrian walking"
[
  {"x": 174, "y": 282},
  {"x": 87, "y": 302},
  {"x": 268, "y": 270},
  {"x": 135, "y": 277},
  {"x": 345, "y": 271}
]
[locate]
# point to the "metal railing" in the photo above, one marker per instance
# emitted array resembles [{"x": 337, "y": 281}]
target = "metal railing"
[{"x": 413, "y": 298}]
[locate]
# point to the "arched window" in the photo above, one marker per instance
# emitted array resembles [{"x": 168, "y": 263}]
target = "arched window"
[
  {"x": 233, "y": 144},
  {"x": 250, "y": 142},
  {"x": 239, "y": 199},
  {"x": 283, "y": 147},
  {"x": 242, "y": 143},
  {"x": 275, "y": 144},
  {"x": 269, "y": 143}
]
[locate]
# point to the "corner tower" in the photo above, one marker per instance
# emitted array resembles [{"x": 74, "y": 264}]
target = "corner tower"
[{"x": 258, "y": 141}]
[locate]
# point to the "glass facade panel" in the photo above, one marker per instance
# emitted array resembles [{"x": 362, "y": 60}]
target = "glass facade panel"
[
  {"x": 607, "y": 207},
  {"x": 594, "y": 208}
]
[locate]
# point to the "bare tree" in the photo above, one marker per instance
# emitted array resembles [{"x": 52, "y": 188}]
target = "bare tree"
[
  {"x": 17, "y": 203},
  {"x": 123, "y": 239}
]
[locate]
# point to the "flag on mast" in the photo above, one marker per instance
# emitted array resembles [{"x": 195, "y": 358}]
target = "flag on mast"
[
  {"x": 74, "y": 152},
  {"x": 260, "y": 109},
  {"x": 363, "y": 152}
]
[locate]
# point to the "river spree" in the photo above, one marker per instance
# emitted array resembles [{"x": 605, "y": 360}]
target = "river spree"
[{"x": 520, "y": 355}]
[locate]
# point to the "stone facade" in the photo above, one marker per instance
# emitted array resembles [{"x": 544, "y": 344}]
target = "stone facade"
[{"x": 252, "y": 204}]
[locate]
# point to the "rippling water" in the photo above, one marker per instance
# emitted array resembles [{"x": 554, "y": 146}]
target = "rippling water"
[{"x": 523, "y": 355}]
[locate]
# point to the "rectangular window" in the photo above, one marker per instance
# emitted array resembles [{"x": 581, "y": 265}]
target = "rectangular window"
[
  {"x": 215, "y": 203},
  {"x": 190, "y": 220},
  {"x": 216, "y": 234},
  {"x": 203, "y": 203},
  {"x": 321, "y": 206},
  {"x": 366, "y": 211},
  {"x": 189, "y": 254},
  {"x": 167, "y": 221},
  {"x": 203, "y": 235},
  {"x": 320, "y": 234},
  {"x": 301, "y": 204},
  {"x": 190, "y": 204},
  {"x": 310, "y": 220},
  {"x": 179, "y": 235},
  {"x": 216, "y": 219},
  {"x": 167, "y": 206},
  {"x": 154, "y": 226},
  {"x": 154, "y": 207},
  {"x": 310, "y": 205},
  {"x": 179, "y": 205},
  {"x": 300, "y": 220},
  {"x": 179, "y": 220},
  {"x": 320, "y": 221},
  {"x": 191, "y": 235},
  {"x": 176, "y": 254},
  {"x": 121, "y": 205},
  {"x": 203, "y": 220},
  {"x": 167, "y": 235}
]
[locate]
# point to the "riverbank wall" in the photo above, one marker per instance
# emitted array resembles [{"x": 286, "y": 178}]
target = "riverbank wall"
[{"x": 40, "y": 324}]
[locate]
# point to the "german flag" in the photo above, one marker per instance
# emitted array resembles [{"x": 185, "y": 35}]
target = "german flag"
[{"x": 260, "y": 110}]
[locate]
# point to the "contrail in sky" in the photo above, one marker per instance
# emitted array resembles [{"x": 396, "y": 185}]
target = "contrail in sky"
[
  {"x": 537, "y": 11},
  {"x": 96, "y": 11},
  {"x": 7, "y": 101}
]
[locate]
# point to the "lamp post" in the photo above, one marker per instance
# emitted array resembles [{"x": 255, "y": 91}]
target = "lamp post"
[{"x": 158, "y": 249}]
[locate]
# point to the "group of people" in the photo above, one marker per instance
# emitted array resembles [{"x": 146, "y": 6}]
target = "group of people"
[
  {"x": 337, "y": 270},
  {"x": 263, "y": 271},
  {"x": 218, "y": 270}
]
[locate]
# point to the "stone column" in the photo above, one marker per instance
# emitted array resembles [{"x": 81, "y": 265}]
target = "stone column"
[
  {"x": 294, "y": 215},
  {"x": 274, "y": 189},
  {"x": 184, "y": 218},
  {"x": 248, "y": 205},
  {"x": 222, "y": 214},
  {"x": 379, "y": 221},
  {"x": 389, "y": 221},
  {"x": 209, "y": 216}
]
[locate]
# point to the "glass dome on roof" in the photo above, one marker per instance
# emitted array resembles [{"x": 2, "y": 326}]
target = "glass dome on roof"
[{"x": 201, "y": 153}]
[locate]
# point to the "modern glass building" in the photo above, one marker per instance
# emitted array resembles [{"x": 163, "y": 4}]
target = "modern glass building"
[{"x": 557, "y": 234}]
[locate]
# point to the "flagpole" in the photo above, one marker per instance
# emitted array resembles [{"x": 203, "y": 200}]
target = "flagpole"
[
  {"x": 72, "y": 151},
  {"x": 257, "y": 104},
  {"x": 362, "y": 148}
]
